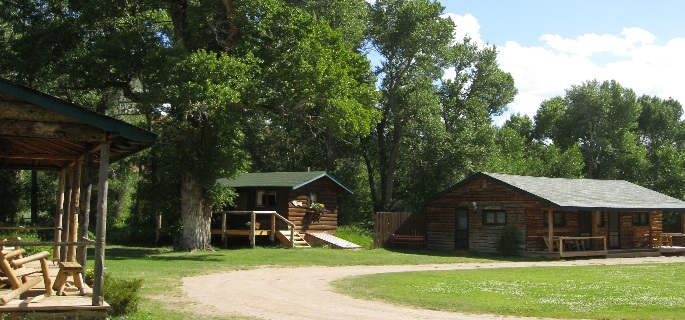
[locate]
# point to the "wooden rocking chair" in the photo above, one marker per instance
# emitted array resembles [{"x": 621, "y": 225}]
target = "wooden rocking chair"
[{"x": 13, "y": 269}]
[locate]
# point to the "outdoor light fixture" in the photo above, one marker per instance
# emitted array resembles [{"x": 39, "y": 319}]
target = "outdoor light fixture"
[{"x": 475, "y": 206}]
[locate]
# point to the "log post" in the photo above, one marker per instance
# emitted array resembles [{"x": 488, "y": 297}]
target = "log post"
[
  {"x": 101, "y": 229},
  {"x": 84, "y": 212},
  {"x": 65, "y": 212},
  {"x": 252, "y": 226},
  {"x": 223, "y": 228},
  {"x": 73, "y": 210},
  {"x": 651, "y": 229},
  {"x": 272, "y": 236},
  {"x": 550, "y": 228},
  {"x": 58, "y": 215}
]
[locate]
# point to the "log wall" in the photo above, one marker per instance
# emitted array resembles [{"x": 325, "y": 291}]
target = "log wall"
[
  {"x": 522, "y": 211},
  {"x": 303, "y": 218},
  {"x": 488, "y": 195}
]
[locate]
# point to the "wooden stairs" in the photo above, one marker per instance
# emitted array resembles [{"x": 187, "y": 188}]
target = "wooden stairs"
[{"x": 298, "y": 239}]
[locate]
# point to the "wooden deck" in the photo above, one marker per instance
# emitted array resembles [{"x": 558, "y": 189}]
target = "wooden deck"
[{"x": 69, "y": 306}]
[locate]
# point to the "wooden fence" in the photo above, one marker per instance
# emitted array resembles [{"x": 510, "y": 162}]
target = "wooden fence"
[{"x": 389, "y": 223}]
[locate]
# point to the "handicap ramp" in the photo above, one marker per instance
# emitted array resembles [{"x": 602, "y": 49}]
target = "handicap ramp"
[{"x": 325, "y": 239}]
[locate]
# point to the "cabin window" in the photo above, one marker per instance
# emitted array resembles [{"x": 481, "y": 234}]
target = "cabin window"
[
  {"x": 265, "y": 198},
  {"x": 640, "y": 219},
  {"x": 559, "y": 219},
  {"x": 497, "y": 218}
]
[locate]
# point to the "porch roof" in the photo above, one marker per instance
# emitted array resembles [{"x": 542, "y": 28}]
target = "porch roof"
[
  {"x": 291, "y": 180},
  {"x": 585, "y": 194},
  {"x": 45, "y": 133}
]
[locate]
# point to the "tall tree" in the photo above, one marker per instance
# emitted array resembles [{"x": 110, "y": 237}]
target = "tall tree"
[
  {"x": 601, "y": 118},
  {"x": 411, "y": 38}
]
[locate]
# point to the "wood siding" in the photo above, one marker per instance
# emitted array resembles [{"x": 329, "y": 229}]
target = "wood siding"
[
  {"x": 388, "y": 223},
  {"x": 522, "y": 211},
  {"x": 305, "y": 221}
]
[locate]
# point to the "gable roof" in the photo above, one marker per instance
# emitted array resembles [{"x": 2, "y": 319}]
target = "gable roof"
[
  {"x": 42, "y": 132},
  {"x": 292, "y": 180},
  {"x": 584, "y": 194}
]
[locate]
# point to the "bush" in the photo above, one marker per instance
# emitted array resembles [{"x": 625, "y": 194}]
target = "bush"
[
  {"x": 122, "y": 295},
  {"x": 509, "y": 242},
  {"x": 27, "y": 236}
]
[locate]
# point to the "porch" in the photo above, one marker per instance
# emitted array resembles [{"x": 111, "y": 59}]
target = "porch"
[{"x": 35, "y": 304}]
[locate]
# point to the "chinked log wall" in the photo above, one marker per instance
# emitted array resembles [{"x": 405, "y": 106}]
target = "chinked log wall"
[
  {"x": 440, "y": 215},
  {"x": 522, "y": 212},
  {"x": 328, "y": 195}
]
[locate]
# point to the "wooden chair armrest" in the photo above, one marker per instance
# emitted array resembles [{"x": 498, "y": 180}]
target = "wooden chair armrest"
[
  {"x": 14, "y": 253},
  {"x": 38, "y": 256}
]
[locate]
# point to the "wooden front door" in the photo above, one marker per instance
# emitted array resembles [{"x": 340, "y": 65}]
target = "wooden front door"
[
  {"x": 461, "y": 228},
  {"x": 614, "y": 230},
  {"x": 585, "y": 225}
]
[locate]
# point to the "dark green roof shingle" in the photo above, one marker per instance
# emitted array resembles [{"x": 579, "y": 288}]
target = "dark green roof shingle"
[
  {"x": 293, "y": 180},
  {"x": 586, "y": 194}
]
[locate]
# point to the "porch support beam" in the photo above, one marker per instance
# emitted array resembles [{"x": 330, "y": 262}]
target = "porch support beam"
[
  {"x": 101, "y": 229},
  {"x": 73, "y": 210},
  {"x": 65, "y": 212},
  {"x": 58, "y": 214},
  {"x": 550, "y": 226},
  {"x": 84, "y": 213},
  {"x": 651, "y": 228}
]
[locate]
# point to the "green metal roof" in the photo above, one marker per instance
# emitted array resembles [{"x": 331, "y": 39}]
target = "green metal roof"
[
  {"x": 584, "y": 194},
  {"x": 292, "y": 180},
  {"x": 71, "y": 110},
  {"x": 42, "y": 132}
]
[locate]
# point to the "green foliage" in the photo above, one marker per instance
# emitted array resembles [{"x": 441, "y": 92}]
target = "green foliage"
[
  {"x": 509, "y": 242},
  {"x": 123, "y": 295},
  {"x": 357, "y": 234},
  {"x": 29, "y": 236}
]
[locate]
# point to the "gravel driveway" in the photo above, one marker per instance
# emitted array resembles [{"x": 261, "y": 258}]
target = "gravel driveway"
[{"x": 306, "y": 293}]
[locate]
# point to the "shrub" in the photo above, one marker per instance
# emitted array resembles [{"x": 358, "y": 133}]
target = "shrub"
[
  {"x": 122, "y": 295},
  {"x": 509, "y": 242},
  {"x": 27, "y": 236}
]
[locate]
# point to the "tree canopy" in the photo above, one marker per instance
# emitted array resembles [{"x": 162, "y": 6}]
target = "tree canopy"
[{"x": 381, "y": 95}]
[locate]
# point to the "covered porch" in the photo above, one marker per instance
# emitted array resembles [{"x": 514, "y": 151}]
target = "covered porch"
[{"x": 39, "y": 132}]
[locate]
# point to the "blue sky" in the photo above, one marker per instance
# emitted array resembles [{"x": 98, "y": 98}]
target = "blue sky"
[{"x": 550, "y": 45}]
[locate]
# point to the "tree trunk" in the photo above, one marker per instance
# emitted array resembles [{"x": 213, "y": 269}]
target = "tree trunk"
[{"x": 196, "y": 216}]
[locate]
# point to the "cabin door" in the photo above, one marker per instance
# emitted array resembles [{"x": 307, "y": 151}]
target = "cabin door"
[
  {"x": 614, "y": 229},
  {"x": 585, "y": 225},
  {"x": 461, "y": 228}
]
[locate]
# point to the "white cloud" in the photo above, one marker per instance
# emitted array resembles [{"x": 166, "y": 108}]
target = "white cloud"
[
  {"x": 466, "y": 25},
  {"x": 631, "y": 57}
]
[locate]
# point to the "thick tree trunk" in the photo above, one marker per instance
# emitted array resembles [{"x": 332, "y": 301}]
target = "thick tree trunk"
[{"x": 196, "y": 216}]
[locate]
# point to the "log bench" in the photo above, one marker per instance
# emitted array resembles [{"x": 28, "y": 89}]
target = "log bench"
[
  {"x": 408, "y": 239},
  {"x": 13, "y": 270}
]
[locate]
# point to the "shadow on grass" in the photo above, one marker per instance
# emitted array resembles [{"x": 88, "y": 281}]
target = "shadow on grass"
[
  {"x": 158, "y": 254},
  {"x": 463, "y": 254}
]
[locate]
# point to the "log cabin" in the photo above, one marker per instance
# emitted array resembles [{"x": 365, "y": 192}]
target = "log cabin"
[
  {"x": 554, "y": 216},
  {"x": 307, "y": 200}
]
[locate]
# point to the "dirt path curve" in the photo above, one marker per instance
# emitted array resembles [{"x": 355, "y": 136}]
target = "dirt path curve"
[{"x": 305, "y": 293}]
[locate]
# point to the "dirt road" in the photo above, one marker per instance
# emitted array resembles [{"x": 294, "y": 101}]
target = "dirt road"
[{"x": 305, "y": 293}]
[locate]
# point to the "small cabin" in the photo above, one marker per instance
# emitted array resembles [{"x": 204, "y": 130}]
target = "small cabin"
[
  {"x": 555, "y": 216},
  {"x": 307, "y": 199}
]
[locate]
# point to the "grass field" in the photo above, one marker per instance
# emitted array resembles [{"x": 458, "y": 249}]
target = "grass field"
[{"x": 598, "y": 292}]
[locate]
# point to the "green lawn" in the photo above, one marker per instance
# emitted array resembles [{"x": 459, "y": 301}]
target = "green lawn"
[
  {"x": 598, "y": 292},
  {"x": 162, "y": 270}
]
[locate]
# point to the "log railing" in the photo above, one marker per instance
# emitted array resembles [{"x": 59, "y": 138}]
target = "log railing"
[{"x": 253, "y": 214}]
